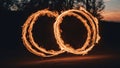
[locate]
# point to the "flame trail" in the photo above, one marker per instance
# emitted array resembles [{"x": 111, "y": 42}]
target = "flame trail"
[
  {"x": 27, "y": 28},
  {"x": 91, "y": 27},
  {"x": 92, "y": 32}
]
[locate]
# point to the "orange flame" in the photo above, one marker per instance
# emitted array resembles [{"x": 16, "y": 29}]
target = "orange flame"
[{"x": 92, "y": 32}]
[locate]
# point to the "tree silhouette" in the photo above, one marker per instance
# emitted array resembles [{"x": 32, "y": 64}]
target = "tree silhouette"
[
  {"x": 60, "y": 5},
  {"x": 93, "y": 6}
]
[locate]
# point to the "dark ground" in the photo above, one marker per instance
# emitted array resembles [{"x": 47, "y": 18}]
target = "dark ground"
[{"x": 13, "y": 54}]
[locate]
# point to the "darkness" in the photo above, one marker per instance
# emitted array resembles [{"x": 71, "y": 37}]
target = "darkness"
[
  {"x": 73, "y": 32},
  {"x": 12, "y": 48},
  {"x": 43, "y": 32}
]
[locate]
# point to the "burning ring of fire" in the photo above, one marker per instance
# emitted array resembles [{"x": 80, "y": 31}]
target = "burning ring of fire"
[{"x": 90, "y": 23}]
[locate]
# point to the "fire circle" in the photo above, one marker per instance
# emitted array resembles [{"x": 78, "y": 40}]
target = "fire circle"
[{"x": 90, "y": 23}]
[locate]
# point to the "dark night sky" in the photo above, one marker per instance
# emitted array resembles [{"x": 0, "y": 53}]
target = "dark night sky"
[{"x": 12, "y": 49}]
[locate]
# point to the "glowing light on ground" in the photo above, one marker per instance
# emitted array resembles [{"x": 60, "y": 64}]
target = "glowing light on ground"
[
  {"x": 62, "y": 60},
  {"x": 90, "y": 23}
]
